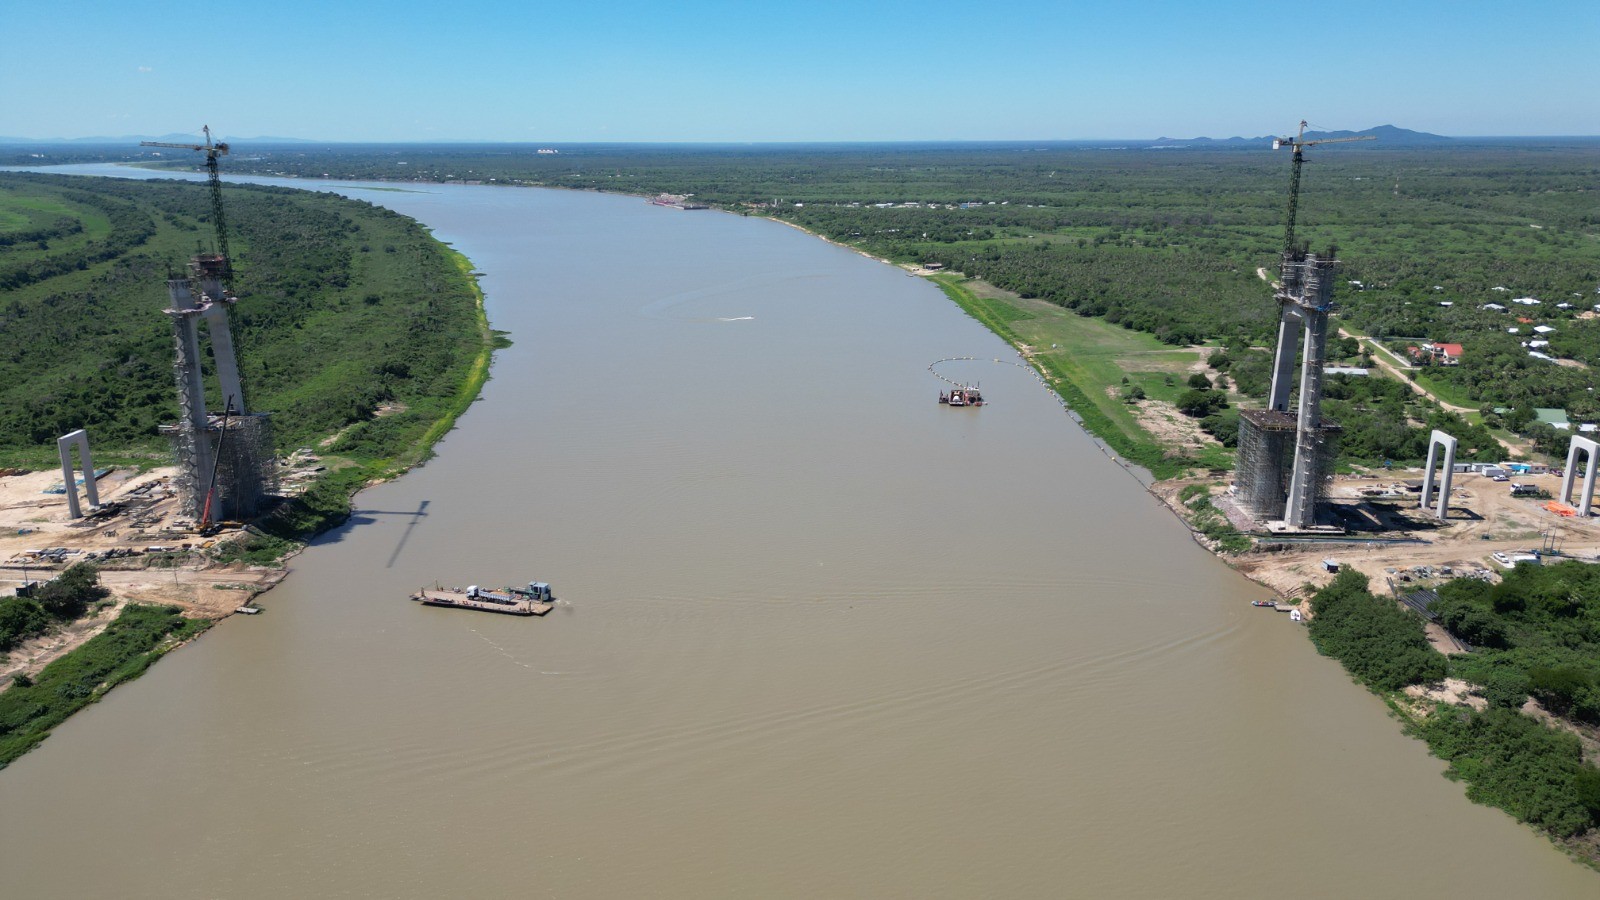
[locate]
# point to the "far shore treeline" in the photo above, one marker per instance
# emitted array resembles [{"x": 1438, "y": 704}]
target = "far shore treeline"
[{"x": 1167, "y": 238}]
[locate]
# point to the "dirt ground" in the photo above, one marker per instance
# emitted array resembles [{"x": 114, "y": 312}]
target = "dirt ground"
[
  {"x": 1451, "y": 690},
  {"x": 1171, "y": 428},
  {"x": 1484, "y": 518},
  {"x": 139, "y": 526}
]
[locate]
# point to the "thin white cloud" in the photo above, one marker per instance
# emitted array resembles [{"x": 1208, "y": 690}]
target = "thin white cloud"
[{"x": 145, "y": 69}]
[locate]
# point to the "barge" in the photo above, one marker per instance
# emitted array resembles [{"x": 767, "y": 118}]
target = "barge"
[{"x": 535, "y": 600}]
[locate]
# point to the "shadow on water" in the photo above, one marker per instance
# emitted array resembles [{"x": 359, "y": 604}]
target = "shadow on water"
[{"x": 416, "y": 517}]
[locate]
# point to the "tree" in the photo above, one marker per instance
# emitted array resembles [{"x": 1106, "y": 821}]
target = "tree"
[
  {"x": 1506, "y": 688},
  {"x": 1586, "y": 788},
  {"x": 20, "y": 618},
  {"x": 1200, "y": 404},
  {"x": 1557, "y": 687},
  {"x": 69, "y": 594},
  {"x": 1199, "y": 382}
]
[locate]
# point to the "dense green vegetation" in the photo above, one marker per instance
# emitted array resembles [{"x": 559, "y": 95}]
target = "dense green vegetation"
[
  {"x": 345, "y": 309},
  {"x": 30, "y": 708},
  {"x": 1539, "y": 627},
  {"x": 68, "y": 595},
  {"x": 1164, "y": 241},
  {"x": 1376, "y": 415},
  {"x": 1508, "y": 760},
  {"x": 1380, "y": 644},
  {"x": 20, "y": 618},
  {"x": 1537, "y": 632},
  {"x": 63, "y": 599}
]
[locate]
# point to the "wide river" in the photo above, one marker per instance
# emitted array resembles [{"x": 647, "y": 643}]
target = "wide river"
[{"x": 825, "y": 637}]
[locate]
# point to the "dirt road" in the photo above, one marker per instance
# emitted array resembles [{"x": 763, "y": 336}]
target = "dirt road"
[{"x": 1385, "y": 360}]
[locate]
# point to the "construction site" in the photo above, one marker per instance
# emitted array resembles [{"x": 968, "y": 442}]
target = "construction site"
[
  {"x": 149, "y": 532},
  {"x": 1407, "y": 535}
]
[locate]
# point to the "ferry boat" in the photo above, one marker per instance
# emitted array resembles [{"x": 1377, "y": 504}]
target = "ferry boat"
[{"x": 535, "y": 600}]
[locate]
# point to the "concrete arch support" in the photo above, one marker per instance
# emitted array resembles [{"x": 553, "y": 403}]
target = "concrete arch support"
[
  {"x": 64, "y": 444},
  {"x": 1435, "y": 441},
  {"x": 1586, "y": 446}
]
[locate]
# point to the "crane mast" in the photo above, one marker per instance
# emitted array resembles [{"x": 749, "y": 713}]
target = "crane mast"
[
  {"x": 212, "y": 152},
  {"x": 1298, "y": 143}
]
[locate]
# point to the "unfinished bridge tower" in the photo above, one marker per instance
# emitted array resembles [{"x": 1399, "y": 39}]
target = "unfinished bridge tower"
[
  {"x": 1272, "y": 484},
  {"x": 1284, "y": 454},
  {"x": 227, "y": 464}
]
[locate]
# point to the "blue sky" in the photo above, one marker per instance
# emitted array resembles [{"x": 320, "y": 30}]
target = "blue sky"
[{"x": 700, "y": 70}]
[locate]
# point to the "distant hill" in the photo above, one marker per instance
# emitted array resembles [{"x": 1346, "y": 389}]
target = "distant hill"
[{"x": 1387, "y": 136}]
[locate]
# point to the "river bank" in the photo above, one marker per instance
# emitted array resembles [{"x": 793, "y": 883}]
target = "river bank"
[
  {"x": 815, "y": 615},
  {"x": 209, "y": 579}
]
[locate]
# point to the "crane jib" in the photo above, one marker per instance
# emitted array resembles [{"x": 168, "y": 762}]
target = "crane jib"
[
  {"x": 1298, "y": 145},
  {"x": 212, "y": 151}
]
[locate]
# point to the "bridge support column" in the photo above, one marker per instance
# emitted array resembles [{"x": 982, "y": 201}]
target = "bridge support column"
[
  {"x": 1435, "y": 441},
  {"x": 64, "y": 445},
  {"x": 1586, "y": 446}
]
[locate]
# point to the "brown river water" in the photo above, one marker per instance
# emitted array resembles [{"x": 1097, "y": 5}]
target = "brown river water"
[{"x": 820, "y": 637}]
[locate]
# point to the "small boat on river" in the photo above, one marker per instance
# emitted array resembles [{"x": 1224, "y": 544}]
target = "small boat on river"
[
  {"x": 535, "y": 600},
  {"x": 965, "y": 395}
]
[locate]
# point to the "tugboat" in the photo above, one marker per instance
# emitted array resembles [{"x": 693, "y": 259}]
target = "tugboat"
[{"x": 965, "y": 395}]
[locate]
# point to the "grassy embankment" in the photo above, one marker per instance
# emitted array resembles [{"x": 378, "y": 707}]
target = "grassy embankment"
[
  {"x": 30, "y": 708},
  {"x": 359, "y": 331},
  {"x": 326, "y": 504},
  {"x": 1085, "y": 360},
  {"x": 353, "y": 322}
]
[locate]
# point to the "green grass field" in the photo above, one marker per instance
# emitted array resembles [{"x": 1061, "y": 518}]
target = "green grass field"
[
  {"x": 1446, "y": 391},
  {"x": 1086, "y": 360}
]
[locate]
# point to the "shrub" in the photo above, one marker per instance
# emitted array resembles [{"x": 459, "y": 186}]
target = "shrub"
[
  {"x": 1510, "y": 761},
  {"x": 1506, "y": 689},
  {"x": 1558, "y": 687},
  {"x": 1383, "y": 646},
  {"x": 20, "y": 618},
  {"x": 69, "y": 594}
]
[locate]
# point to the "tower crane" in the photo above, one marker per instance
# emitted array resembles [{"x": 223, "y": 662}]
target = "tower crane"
[
  {"x": 1298, "y": 143},
  {"x": 214, "y": 150}
]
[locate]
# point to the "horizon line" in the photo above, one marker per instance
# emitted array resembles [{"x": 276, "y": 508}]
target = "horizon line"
[{"x": 103, "y": 140}]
